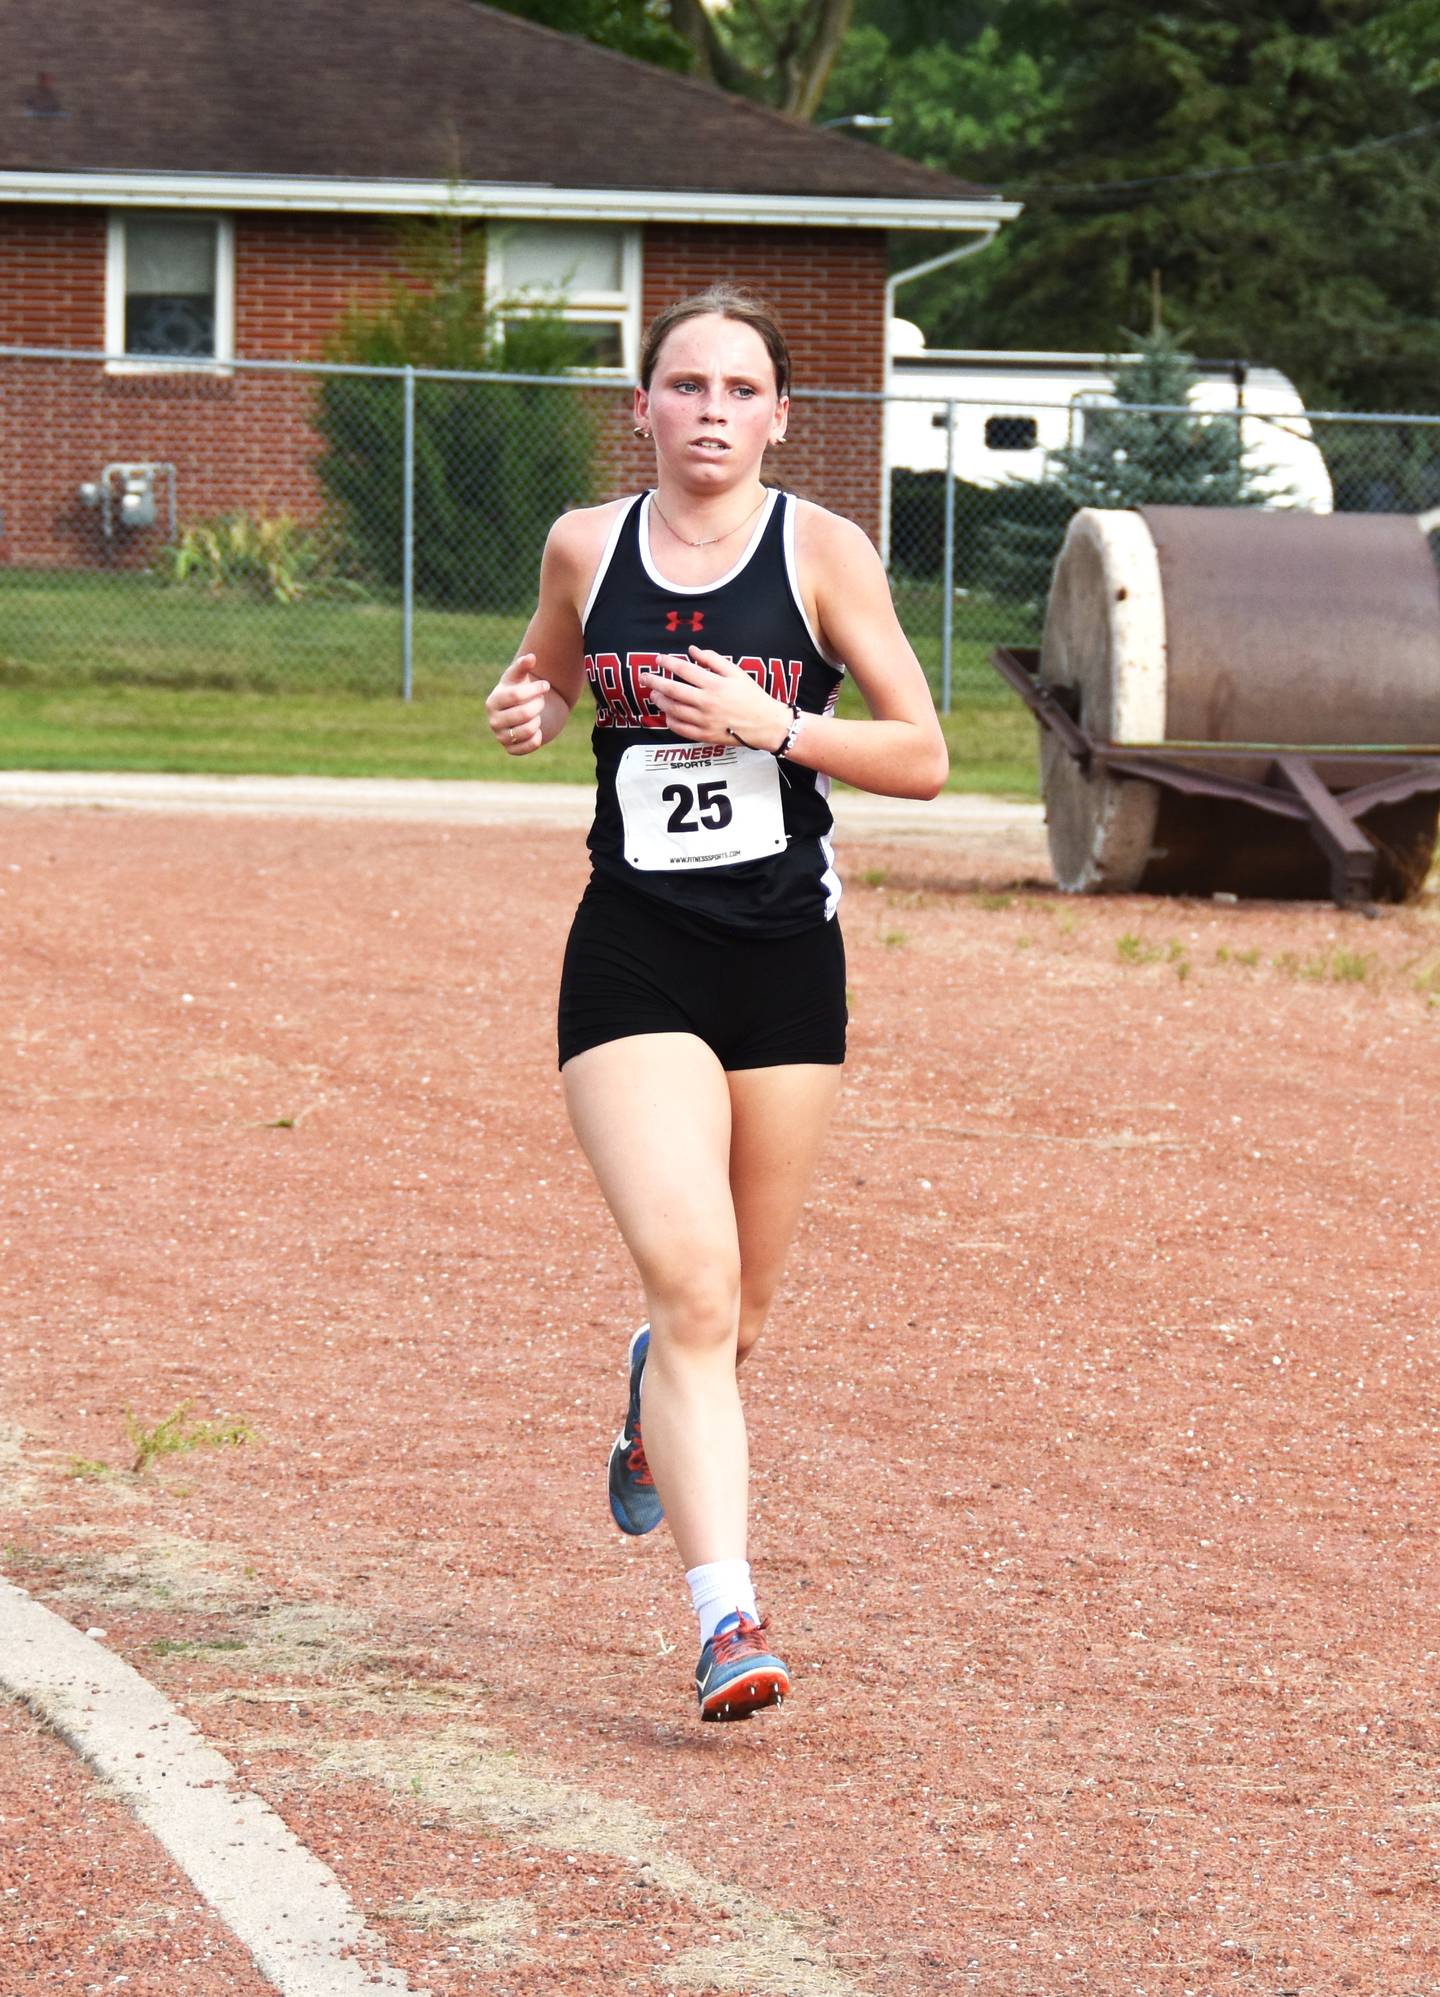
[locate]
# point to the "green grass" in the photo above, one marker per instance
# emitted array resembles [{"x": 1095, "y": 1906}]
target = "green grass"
[
  {"x": 114, "y": 672},
  {"x": 60, "y": 628}
]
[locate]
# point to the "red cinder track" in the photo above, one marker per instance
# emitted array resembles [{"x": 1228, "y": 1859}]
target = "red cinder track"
[{"x": 1094, "y": 1438}]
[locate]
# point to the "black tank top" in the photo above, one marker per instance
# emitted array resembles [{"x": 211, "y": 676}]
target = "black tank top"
[{"x": 722, "y": 836}]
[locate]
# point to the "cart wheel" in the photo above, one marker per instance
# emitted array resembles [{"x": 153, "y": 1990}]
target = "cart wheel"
[{"x": 1104, "y": 647}]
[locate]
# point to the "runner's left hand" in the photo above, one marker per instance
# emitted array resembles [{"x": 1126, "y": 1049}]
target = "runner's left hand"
[{"x": 706, "y": 698}]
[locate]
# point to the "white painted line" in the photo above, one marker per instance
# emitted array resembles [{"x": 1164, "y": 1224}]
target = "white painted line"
[{"x": 276, "y": 1897}]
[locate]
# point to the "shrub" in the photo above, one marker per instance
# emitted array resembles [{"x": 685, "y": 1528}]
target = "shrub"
[
  {"x": 277, "y": 559},
  {"x": 917, "y": 525},
  {"x": 494, "y": 461}
]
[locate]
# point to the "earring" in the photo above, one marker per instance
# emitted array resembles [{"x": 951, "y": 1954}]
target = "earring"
[
  {"x": 640, "y": 431},
  {"x": 776, "y": 442}
]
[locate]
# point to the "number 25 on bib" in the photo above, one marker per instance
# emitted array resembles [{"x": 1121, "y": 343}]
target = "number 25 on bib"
[{"x": 698, "y": 806}]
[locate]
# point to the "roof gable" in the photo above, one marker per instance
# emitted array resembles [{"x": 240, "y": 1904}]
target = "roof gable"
[{"x": 404, "y": 90}]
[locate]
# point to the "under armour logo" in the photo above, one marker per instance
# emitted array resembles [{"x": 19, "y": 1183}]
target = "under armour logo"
[{"x": 674, "y": 619}]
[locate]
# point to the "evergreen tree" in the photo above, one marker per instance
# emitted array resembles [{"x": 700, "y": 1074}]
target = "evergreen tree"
[{"x": 1130, "y": 455}]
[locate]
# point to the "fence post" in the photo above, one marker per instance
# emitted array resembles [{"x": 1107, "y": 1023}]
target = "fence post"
[
  {"x": 947, "y": 571},
  {"x": 407, "y": 542}
]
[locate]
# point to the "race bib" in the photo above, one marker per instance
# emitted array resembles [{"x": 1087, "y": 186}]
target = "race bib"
[{"x": 698, "y": 804}]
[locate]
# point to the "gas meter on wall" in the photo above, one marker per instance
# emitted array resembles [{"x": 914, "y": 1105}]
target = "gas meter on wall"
[
  {"x": 127, "y": 495},
  {"x": 137, "y": 498}
]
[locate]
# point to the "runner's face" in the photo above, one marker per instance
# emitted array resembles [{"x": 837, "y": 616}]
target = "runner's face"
[{"x": 712, "y": 405}]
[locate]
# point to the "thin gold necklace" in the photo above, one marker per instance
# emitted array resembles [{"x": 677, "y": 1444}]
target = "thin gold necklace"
[{"x": 714, "y": 538}]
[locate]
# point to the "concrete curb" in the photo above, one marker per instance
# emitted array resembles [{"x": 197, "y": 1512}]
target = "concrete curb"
[
  {"x": 951, "y": 816},
  {"x": 278, "y": 1900}
]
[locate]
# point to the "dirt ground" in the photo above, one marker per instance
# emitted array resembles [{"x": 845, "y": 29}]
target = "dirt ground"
[{"x": 1095, "y": 1438}]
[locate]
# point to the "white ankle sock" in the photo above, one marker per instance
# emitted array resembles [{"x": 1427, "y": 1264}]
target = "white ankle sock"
[{"x": 718, "y": 1590}]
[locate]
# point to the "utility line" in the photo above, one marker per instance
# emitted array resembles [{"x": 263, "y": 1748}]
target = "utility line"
[{"x": 1027, "y": 189}]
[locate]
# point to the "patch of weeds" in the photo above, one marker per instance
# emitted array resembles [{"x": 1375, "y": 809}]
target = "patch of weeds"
[
  {"x": 875, "y": 877},
  {"x": 895, "y": 939},
  {"x": 169, "y": 1646},
  {"x": 1249, "y": 958},
  {"x": 290, "y": 1122},
  {"x": 1024, "y": 942},
  {"x": 19, "y": 1557},
  {"x": 1332, "y": 967},
  {"x": 86, "y": 1466},
  {"x": 177, "y": 1434},
  {"x": 993, "y": 903},
  {"x": 1350, "y": 967},
  {"x": 1425, "y": 974},
  {"x": 1132, "y": 949}
]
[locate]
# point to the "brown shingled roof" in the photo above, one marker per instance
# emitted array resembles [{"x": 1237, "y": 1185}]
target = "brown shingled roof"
[{"x": 395, "y": 90}]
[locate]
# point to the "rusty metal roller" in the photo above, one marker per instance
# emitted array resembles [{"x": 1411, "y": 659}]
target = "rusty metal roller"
[{"x": 1229, "y": 642}]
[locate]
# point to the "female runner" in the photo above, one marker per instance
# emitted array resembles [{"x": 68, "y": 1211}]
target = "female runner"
[{"x": 702, "y": 1000}]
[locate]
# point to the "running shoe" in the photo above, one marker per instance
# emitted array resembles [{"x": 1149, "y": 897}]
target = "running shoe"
[
  {"x": 737, "y": 1675},
  {"x": 634, "y": 1502}
]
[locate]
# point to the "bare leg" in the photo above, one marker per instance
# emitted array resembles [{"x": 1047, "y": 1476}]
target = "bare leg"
[
  {"x": 779, "y": 1117},
  {"x": 706, "y": 1174},
  {"x": 652, "y": 1113}
]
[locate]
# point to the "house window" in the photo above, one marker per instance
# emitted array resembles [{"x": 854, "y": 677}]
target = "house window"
[
  {"x": 1010, "y": 433},
  {"x": 170, "y": 288},
  {"x": 588, "y": 272}
]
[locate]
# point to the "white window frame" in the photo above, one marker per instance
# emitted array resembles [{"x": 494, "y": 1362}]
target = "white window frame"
[
  {"x": 115, "y": 296},
  {"x": 581, "y": 307}
]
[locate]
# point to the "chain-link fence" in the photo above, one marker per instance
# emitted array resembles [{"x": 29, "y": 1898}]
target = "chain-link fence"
[{"x": 277, "y": 527}]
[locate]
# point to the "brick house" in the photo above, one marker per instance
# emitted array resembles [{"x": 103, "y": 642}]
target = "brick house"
[{"x": 219, "y": 183}]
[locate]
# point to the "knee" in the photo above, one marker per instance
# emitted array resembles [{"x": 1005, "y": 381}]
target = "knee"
[{"x": 695, "y": 1306}]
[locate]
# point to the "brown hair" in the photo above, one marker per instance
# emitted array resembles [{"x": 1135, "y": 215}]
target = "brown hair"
[{"x": 727, "y": 303}]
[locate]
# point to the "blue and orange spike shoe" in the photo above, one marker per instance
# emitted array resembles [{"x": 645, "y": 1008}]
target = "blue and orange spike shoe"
[
  {"x": 737, "y": 1675},
  {"x": 634, "y": 1502}
]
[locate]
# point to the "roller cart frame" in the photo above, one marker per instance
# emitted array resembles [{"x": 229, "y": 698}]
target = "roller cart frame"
[{"x": 1329, "y": 791}]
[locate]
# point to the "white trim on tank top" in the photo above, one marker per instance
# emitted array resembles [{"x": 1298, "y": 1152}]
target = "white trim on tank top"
[
  {"x": 792, "y": 576},
  {"x": 605, "y": 560},
  {"x": 700, "y": 588}
]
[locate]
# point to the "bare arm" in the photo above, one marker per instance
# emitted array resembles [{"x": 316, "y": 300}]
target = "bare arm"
[
  {"x": 900, "y": 751},
  {"x": 532, "y": 699}
]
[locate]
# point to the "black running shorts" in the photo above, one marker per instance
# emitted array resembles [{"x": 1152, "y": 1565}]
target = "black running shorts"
[{"x": 756, "y": 1001}]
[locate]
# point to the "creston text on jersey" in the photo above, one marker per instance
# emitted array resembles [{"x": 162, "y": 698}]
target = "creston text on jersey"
[{"x": 620, "y": 704}]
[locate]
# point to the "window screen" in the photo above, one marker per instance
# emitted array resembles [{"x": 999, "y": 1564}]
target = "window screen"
[
  {"x": 170, "y": 285},
  {"x": 561, "y": 256},
  {"x": 586, "y": 271}
]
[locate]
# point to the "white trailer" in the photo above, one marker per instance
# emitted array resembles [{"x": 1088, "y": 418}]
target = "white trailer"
[{"x": 1012, "y": 410}]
